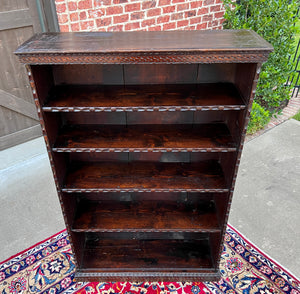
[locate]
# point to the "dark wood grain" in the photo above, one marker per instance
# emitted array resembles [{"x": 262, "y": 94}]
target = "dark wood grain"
[
  {"x": 168, "y": 255},
  {"x": 146, "y": 216},
  {"x": 145, "y": 176},
  {"x": 158, "y": 214},
  {"x": 118, "y": 42},
  {"x": 114, "y": 138},
  {"x": 155, "y": 97}
]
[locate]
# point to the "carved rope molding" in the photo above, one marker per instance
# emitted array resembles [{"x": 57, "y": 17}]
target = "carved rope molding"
[
  {"x": 147, "y": 276},
  {"x": 104, "y": 190},
  {"x": 144, "y": 57},
  {"x": 139, "y": 108},
  {"x": 98, "y": 149}
]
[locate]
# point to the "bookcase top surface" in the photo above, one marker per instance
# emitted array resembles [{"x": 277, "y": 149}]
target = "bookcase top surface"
[
  {"x": 98, "y": 42},
  {"x": 193, "y": 43}
]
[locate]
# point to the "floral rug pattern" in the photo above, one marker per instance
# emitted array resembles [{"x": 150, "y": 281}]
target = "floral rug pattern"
[{"x": 48, "y": 267}]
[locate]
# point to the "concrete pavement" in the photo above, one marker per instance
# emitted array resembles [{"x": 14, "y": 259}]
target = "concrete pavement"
[
  {"x": 266, "y": 201},
  {"x": 265, "y": 208}
]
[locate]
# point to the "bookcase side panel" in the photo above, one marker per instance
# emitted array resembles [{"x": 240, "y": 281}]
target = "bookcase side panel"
[{"x": 41, "y": 81}]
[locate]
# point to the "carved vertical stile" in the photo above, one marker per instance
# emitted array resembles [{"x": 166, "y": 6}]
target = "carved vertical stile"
[
  {"x": 239, "y": 152},
  {"x": 49, "y": 151}
]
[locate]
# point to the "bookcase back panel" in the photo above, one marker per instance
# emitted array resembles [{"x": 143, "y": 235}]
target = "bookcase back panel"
[
  {"x": 180, "y": 197},
  {"x": 147, "y": 156},
  {"x": 230, "y": 118},
  {"x": 92, "y": 74},
  {"x": 216, "y": 73},
  {"x": 160, "y": 74},
  {"x": 131, "y": 74},
  {"x": 94, "y": 118}
]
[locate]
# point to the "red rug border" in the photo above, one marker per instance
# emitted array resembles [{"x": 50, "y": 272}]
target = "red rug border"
[
  {"x": 263, "y": 253},
  {"x": 25, "y": 250}
]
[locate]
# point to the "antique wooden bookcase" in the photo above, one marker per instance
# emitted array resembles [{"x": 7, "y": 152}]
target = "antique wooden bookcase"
[{"x": 144, "y": 132}]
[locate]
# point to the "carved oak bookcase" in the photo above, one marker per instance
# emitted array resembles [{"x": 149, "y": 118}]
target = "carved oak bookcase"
[{"x": 144, "y": 132}]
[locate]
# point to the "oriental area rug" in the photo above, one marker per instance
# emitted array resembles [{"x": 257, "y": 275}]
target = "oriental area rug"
[{"x": 48, "y": 267}]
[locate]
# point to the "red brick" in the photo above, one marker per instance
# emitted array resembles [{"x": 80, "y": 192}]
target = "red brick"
[
  {"x": 82, "y": 15},
  {"x": 137, "y": 15},
  {"x": 86, "y": 25},
  {"x": 64, "y": 28},
  {"x": 202, "y": 26},
  {"x": 209, "y": 2},
  {"x": 177, "y": 1},
  {"x": 61, "y": 8},
  {"x": 219, "y": 1},
  {"x": 62, "y": 18},
  {"x": 148, "y": 22},
  {"x": 177, "y": 16},
  {"x": 164, "y": 2},
  {"x": 190, "y": 13},
  {"x": 182, "y": 23},
  {"x": 169, "y": 9},
  {"x": 75, "y": 27},
  {"x": 156, "y": 28},
  {"x": 74, "y": 16},
  {"x": 72, "y": 6},
  {"x": 132, "y": 7},
  {"x": 184, "y": 6},
  {"x": 215, "y": 8},
  {"x": 100, "y": 3},
  {"x": 120, "y": 1},
  {"x": 121, "y": 18},
  {"x": 153, "y": 12},
  {"x": 207, "y": 17},
  {"x": 85, "y": 4},
  {"x": 162, "y": 19},
  {"x": 169, "y": 26},
  {"x": 196, "y": 4},
  {"x": 117, "y": 28},
  {"x": 148, "y": 4},
  {"x": 103, "y": 21},
  {"x": 132, "y": 25},
  {"x": 114, "y": 10},
  {"x": 215, "y": 23},
  {"x": 219, "y": 14},
  {"x": 196, "y": 20},
  {"x": 202, "y": 11},
  {"x": 190, "y": 28},
  {"x": 96, "y": 13}
]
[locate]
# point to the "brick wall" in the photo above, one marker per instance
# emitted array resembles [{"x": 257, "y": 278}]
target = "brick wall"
[{"x": 131, "y": 15}]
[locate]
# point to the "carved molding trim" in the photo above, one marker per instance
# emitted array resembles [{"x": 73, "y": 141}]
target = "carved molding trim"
[{"x": 145, "y": 57}]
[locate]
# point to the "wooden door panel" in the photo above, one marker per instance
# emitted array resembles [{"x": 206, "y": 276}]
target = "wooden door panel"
[{"x": 18, "y": 117}]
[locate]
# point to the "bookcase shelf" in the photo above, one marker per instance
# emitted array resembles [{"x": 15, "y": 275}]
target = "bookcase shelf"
[
  {"x": 172, "y": 254},
  {"x": 144, "y": 132},
  {"x": 145, "y": 176},
  {"x": 212, "y": 96},
  {"x": 146, "y": 216},
  {"x": 213, "y": 137}
]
